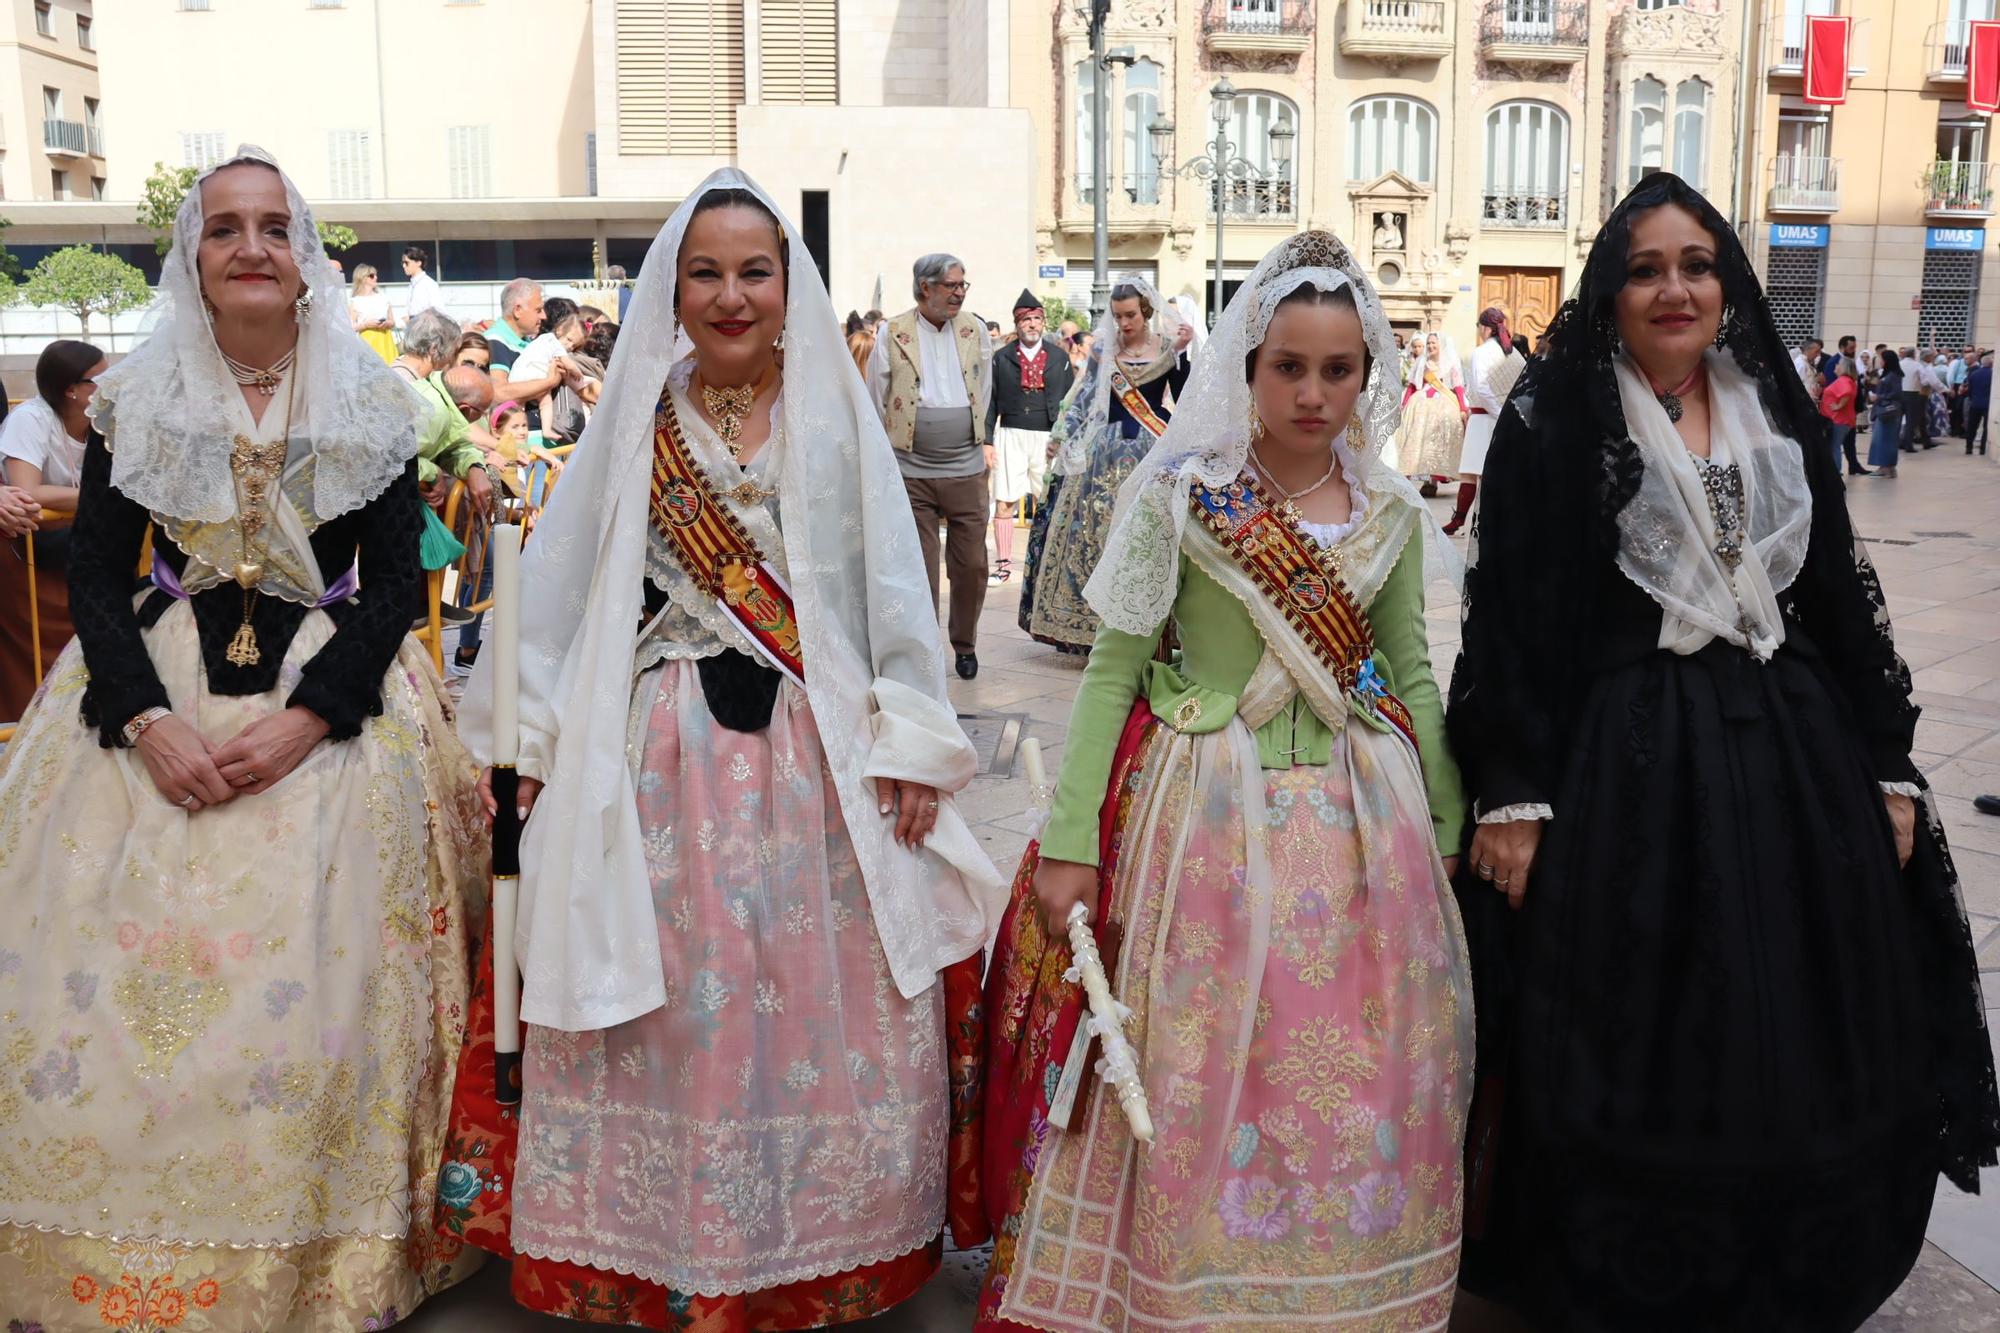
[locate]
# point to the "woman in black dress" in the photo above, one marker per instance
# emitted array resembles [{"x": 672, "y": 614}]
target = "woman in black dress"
[{"x": 1732, "y": 1031}]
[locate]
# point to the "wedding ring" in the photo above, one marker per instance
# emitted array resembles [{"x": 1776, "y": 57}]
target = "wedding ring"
[
  {"x": 1503, "y": 883},
  {"x": 187, "y": 800},
  {"x": 1485, "y": 871},
  {"x": 930, "y": 805},
  {"x": 249, "y": 779}
]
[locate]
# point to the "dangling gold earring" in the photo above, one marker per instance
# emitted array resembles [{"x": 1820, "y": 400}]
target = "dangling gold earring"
[
  {"x": 303, "y": 306},
  {"x": 208, "y": 305},
  {"x": 779, "y": 345},
  {"x": 1256, "y": 425}
]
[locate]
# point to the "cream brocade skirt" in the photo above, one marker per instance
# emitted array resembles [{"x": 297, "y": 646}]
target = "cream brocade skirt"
[
  {"x": 1431, "y": 436},
  {"x": 227, "y": 1038}
]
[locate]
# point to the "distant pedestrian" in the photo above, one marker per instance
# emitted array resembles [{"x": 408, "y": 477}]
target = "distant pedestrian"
[
  {"x": 1029, "y": 383},
  {"x": 930, "y": 377},
  {"x": 1978, "y": 402},
  {"x": 424, "y": 293},
  {"x": 1836, "y": 404},
  {"x": 1890, "y": 404}
]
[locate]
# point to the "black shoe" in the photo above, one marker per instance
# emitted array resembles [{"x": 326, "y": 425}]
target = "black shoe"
[
  {"x": 1859, "y": 472},
  {"x": 1986, "y": 805},
  {"x": 968, "y": 666},
  {"x": 448, "y": 616}
]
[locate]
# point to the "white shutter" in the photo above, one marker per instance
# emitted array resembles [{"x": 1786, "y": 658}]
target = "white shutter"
[
  {"x": 704, "y": 75},
  {"x": 798, "y": 52},
  {"x": 201, "y": 149},
  {"x": 642, "y": 76},
  {"x": 350, "y": 170},
  {"x": 470, "y": 150}
]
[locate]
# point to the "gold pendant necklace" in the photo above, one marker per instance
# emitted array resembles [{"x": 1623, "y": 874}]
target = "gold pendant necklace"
[
  {"x": 256, "y": 468},
  {"x": 729, "y": 407}
]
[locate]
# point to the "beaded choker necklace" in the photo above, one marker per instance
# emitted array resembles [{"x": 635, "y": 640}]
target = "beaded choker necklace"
[{"x": 265, "y": 381}]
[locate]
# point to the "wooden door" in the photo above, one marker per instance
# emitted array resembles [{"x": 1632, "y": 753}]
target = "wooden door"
[{"x": 1530, "y": 297}]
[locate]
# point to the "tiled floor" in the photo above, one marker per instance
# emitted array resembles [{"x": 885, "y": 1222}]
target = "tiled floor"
[{"x": 1935, "y": 536}]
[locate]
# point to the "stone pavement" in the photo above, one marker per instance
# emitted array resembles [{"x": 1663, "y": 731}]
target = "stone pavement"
[{"x": 1934, "y": 533}]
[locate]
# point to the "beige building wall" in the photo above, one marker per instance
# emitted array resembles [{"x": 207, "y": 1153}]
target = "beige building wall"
[
  {"x": 1456, "y": 60},
  {"x": 33, "y": 154},
  {"x": 1906, "y": 79},
  {"x": 368, "y": 99}
]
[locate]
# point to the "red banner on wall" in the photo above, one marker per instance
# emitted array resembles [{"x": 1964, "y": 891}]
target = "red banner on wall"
[
  {"x": 1827, "y": 38},
  {"x": 1982, "y": 67}
]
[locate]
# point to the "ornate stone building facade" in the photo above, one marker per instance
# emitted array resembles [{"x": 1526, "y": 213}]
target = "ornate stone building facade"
[{"x": 1468, "y": 148}]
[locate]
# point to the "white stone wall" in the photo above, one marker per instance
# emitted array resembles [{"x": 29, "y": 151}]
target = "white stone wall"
[{"x": 895, "y": 52}]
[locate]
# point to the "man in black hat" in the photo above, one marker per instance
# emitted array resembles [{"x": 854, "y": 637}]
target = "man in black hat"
[{"x": 1030, "y": 380}]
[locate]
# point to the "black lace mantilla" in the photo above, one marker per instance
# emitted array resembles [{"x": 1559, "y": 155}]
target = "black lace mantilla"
[{"x": 342, "y": 682}]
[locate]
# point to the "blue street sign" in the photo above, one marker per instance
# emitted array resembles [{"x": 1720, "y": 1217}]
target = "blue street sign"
[
  {"x": 1954, "y": 238},
  {"x": 1800, "y": 235},
  {"x": 1055, "y": 270}
]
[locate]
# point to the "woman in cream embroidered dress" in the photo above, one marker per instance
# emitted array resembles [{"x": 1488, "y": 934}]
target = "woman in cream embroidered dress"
[
  {"x": 238, "y": 836},
  {"x": 1290, "y": 947},
  {"x": 1433, "y": 429},
  {"x": 750, "y": 910}
]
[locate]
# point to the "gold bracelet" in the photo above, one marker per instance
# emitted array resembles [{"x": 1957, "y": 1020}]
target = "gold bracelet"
[{"x": 137, "y": 726}]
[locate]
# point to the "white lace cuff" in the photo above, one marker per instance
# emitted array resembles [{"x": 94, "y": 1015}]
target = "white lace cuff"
[
  {"x": 1507, "y": 814},
  {"x": 1909, "y": 789}
]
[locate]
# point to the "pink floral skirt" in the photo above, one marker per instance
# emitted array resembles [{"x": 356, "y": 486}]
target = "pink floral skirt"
[{"x": 1303, "y": 1013}]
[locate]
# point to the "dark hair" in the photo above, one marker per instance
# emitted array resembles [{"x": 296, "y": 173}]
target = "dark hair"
[
  {"x": 736, "y": 197},
  {"x": 477, "y": 341},
  {"x": 1494, "y": 318},
  {"x": 1845, "y": 339},
  {"x": 415, "y": 254},
  {"x": 1126, "y": 291},
  {"x": 602, "y": 338},
  {"x": 874, "y": 317},
  {"x": 591, "y": 314},
  {"x": 854, "y": 324},
  {"x": 557, "y": 311},
  {"x": 63, "y": 365},
  {"x": 1891, "y": 363},
  {"x": 1340, "y": 298}
]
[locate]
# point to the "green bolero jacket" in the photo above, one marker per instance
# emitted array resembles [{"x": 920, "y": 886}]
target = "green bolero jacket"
[{"x": 1198, "y": 691}]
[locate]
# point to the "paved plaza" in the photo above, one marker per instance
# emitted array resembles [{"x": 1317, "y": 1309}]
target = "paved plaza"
[{"x": 1934, "y": 533}]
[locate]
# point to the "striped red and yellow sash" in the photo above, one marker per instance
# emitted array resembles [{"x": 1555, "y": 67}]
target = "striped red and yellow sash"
[
  {"x": 1302, "y": 581},
  {"x": 714, "y": 549},
  {"x": 1135, "y": 403}
]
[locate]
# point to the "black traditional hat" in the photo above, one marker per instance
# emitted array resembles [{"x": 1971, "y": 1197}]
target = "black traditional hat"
[{"x": 1027, "y": 300}]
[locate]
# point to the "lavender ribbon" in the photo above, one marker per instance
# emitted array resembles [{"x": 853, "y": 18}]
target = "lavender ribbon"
[{"x": 343, "y": 587}]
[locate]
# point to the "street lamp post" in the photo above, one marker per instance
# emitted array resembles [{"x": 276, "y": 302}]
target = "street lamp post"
[{"x": 1222, "y": 165}]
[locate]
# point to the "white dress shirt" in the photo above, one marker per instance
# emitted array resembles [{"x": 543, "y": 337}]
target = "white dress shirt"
[{"x": 423, "y": 293}]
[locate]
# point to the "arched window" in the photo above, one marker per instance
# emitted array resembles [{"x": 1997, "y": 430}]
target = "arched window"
[
  {"x": 1646, "y": 133},
  {"x": 1691, "y": 132},
  {"x": 1084, "y": 82},
  {"x": 1252, "y": 118},
  {"x": 1142, "y": 103},
  {"x": 1527, "y": 165},
  {"x": 1387, "y": 134}
]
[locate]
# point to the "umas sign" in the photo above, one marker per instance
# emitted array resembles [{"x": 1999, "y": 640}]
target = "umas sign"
[
  {"x": 1799, "y": 235},
  {"x": 1955, "y": 238}
]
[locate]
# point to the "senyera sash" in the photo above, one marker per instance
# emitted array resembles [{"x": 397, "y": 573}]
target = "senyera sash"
[
  {"x": 1301, "y": 581},
  {"x": 713, "y": 548},
  {"x": 1135, "y": 403}
]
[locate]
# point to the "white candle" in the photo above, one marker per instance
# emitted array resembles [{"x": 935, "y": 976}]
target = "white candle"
[
  {"x": 1120, "y": 1063},
  {"x": 1031, "y": 761},
  {"x": 505, "y": 553}
]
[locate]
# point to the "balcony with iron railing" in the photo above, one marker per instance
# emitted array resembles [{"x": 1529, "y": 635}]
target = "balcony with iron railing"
[
  {"x": 1958, "y": 190},
  {"x": 1947, "y": 49},
  {"x": 1135, "y": 204},
  {"x": 1785, "y": 40},
  {"x": 1805, "y": 185},
  {"x": 1393, "y": 31},
  {"x": 1282, "y": 26},
  {"x": 1535, "y": 212},
  {"x": 1265, "y": 199},
  {"x": 1535, "y": 32},
  {"x": 71, "y": 138}
]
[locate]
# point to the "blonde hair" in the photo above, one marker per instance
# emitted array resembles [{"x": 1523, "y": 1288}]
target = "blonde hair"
[{"x": 362, "y": 271}]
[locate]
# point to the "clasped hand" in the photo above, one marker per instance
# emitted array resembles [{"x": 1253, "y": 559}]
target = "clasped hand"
[{"x": 193, "y": 774}]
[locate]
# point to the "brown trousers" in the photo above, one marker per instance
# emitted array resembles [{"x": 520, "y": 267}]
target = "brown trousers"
[{"x": 960, "y": 503}]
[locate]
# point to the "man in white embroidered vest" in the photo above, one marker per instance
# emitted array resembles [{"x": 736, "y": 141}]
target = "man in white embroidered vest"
[{"x": 931, "y": 377}]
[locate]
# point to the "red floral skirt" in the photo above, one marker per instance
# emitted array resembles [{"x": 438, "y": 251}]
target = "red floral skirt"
[{"x": 474, "y": 1189}]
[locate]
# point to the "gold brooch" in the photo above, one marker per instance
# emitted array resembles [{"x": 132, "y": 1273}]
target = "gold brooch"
[
  {"x": 1187, "y": 713},
  {"x": 729, "y": 407}
]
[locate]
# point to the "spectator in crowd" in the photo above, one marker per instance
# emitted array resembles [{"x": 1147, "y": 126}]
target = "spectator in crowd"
[
  {"x": 374, "y": 318},
  {"x": 874, "y": 320},
  {"x": 473, "y": 351},
  {"x": 547, "y": 359},
  {"x": 853, "y": 325},
  {"x": 1836, "y": 404},
  {"x": 1919, "y": 383},
  {"x": 41, "y": 449},
  {"x": 424, "y": 293},
  {"x": 930, "y": 377},
  {"x": 1804, "y": 357},
  {"x": 445, "y": 447},
  {"x": 616, "y": 273},
  {"x": 861, "y": 346},
  {"x": 520, "y": 323},
  {"x": 568, "y": 409},
  {"x": 591, "y": 316},
  {"x": 993, "y": 333},
  {"x": 598, "y": 344},
  {"x": 1890, "y": 404},
  {"x": 1079, "y": 350},
  {"x": 1066, "y": 332},
  {"x": 1978, "y": 402},
  {"x": 1957, "y": 371},
  {"x": 471, "y": 391}
]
